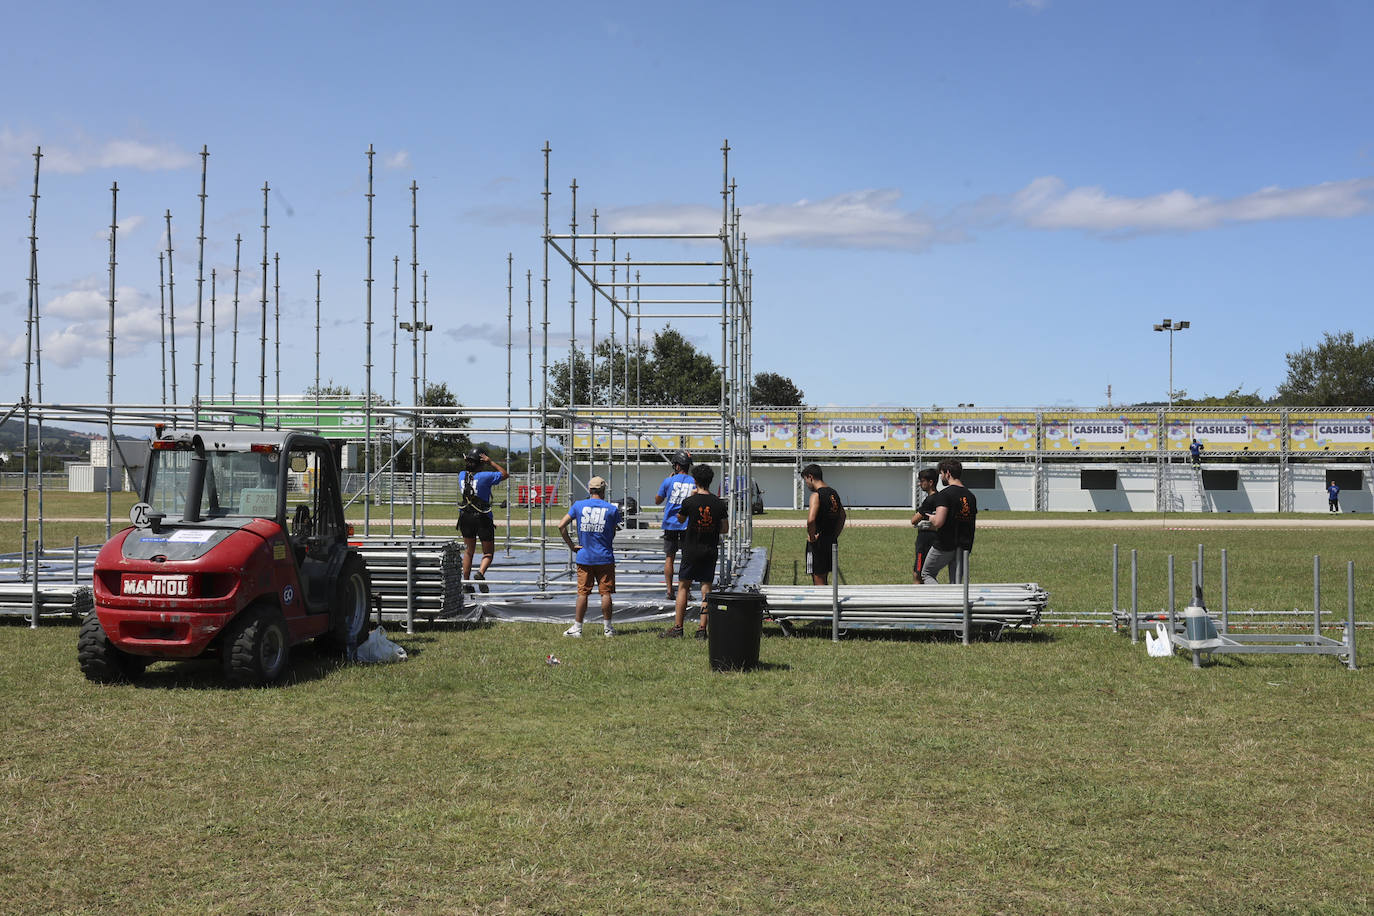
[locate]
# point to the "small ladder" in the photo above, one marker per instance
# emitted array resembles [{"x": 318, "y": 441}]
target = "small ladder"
[{"x": 1202, "y": 503}]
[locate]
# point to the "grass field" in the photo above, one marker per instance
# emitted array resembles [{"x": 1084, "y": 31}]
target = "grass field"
[{"x": 1058, "y": 771}]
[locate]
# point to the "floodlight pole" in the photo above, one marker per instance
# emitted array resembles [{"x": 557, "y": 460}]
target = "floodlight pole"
[{"x": 1171, "y": 325}]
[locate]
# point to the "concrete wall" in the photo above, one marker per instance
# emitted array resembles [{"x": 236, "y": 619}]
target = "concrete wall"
[
  {"x": 1135, "y": 489},
  {"x": 1309, "y": 488}
]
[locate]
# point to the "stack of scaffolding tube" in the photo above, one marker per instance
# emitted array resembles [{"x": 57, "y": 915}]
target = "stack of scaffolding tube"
[
  {"x": 994, "y": 605},
  {"x": 421, "y": 576}
]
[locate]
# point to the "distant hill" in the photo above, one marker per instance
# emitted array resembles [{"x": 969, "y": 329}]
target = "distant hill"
[{"x": 56, "y": 440}]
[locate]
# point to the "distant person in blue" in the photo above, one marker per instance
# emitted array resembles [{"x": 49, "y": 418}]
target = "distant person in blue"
[
  {"x": 475, "y": 520},
  {"x": 596, "y": 522},
  {"x": 676, "y": 487},
  {"x": 1196, "y": 451},
  {"x": 1333, "y": 497}
]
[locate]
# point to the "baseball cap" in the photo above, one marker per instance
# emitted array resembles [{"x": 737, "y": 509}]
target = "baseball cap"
[{"x": 596, "y": 483}]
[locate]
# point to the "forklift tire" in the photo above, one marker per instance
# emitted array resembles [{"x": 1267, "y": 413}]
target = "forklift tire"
[
  {"x": 349, "y": 608},
  {"x": 101, "y": 661},
  {"x": 255, "y": 649}
]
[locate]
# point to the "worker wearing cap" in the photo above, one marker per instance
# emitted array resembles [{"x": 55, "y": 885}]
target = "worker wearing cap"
[
  {"x": 596, "y": 521},
  {"x": 475, "y": 520},
  {"x": 676, "y": 487}
]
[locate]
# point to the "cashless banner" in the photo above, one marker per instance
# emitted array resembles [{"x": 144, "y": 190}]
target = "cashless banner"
[
  {"x": 978, "y": 432},
  {"x": 860, "y": 431},
  {"x": 1333, "y": 432},
  {"x": 1239, "y": 432},
  {"x": 1101, "y": 432}
]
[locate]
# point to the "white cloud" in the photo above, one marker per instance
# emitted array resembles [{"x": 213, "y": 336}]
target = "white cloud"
[
  {"x": 75, "y": 330},
  {"x": 1048, "y": 203},
  {"x": 1035, "y": 6},
  {"x": 397, "y": 160},
  {"x": 80, "y": 153},
  {"x": 855, "y": 219}
]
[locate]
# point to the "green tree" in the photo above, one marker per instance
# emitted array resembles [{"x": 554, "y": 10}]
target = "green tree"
[
  {"x": 681, "y": 374},
  {"x": 328, "y": 391},
  {"x": 445, "y": 443},
  {"x": 612, "y": 373},
  {"x": 1338, "y": 372},
  {"x": 773, "y": 390},
  {"x": 1233, "y": 398}
]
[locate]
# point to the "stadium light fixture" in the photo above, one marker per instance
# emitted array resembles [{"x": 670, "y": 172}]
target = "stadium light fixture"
[{"x": 1171, "y": 325}]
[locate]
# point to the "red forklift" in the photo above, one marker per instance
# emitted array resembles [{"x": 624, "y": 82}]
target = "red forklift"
[{"x": 238, "y": 550}]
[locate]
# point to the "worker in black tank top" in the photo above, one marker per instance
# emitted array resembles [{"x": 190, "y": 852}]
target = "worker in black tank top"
[{"x": 825, "y": 520}]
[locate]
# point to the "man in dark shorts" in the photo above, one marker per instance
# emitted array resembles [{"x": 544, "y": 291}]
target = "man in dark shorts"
[
  {"x": 825, "y": 519},
  {"x": 596, "y": 521},
  {"x": 475, "y": 520},
  {"x": 704, "y": 513},
  {"x": 955, "y": 518},
  {"x": 925, "y": 531},
  {"x": 676, "y": 487}
]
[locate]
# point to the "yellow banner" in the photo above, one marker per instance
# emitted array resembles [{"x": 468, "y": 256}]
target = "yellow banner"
[
  {"x": 1330, "y": 432},
  {"x": 1101, "y": 432},
  {"x": 773, "y": 430},
  {"x": 978, "y": 432},
  {"x": 1230, "y": 432},
  {"x": 860, "y": 431},
  {"x": 607, "y": 438}
]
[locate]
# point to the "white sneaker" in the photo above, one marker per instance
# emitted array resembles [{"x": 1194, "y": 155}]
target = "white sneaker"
[
  {"x": 574, "y": 631},
  {"x": 609, "y": 631}
]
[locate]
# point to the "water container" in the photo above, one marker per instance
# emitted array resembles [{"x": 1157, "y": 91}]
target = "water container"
[{"x": 1197, "y": 624}]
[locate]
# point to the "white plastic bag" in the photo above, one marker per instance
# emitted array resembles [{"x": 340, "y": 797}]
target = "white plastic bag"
[
  {"x": 1158, "y": 644},
  {"x": 377, "y": 648}
]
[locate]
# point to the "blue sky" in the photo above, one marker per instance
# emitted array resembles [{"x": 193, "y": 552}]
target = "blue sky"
[{"x": 988, "y": 201}]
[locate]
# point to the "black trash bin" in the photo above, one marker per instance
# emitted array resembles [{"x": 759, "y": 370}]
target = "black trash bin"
[{"x": 735, "y": 627}]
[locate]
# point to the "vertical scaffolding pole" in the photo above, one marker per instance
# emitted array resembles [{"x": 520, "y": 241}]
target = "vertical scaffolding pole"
[
  {"x": 200, "y": 286},
  {"x": 162, "y": 322},
  {"x": 544, "y": 397},
  {"x": 30, "y": 336},
  {"x": 109, "y": 371},
  {"x": 234, "y": 350},
  {"x": 172, "y": 311},
  {"x": 276, "y": 332},
  {"x": 510, "y": 329},
  {"x": 213, "y": 304},
  {"x": 424, "y": 393},
  {"x": 317, "y": 350},
  {"x": 367, "y": 395},
  {"x": 529, "y": 420},
  {"x": 262, "y": 361},
  {"x": 414, "y": 349},
  {"x": 395, "y": 327}
]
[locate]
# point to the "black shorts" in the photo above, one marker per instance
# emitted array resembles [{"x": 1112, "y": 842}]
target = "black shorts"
[
  {"x": 924, "y": 541},
  {"x": 698, "y": 565},
  {"x": 818, "y": 556},
  {"x": 672, "y": 540},
  {"x": 477, "y": 525}
]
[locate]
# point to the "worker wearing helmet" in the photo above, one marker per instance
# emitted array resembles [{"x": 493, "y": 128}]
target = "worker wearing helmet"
[
  {"x": 676, "y": 487},
  {"x": 475, "y": 518}
]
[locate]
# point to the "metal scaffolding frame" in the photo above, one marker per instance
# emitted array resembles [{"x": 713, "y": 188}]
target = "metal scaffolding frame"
[{"x": 685, "y": 288}]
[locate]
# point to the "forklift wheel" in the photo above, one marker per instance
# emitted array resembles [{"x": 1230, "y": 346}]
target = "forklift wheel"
[
  {"x": 255, "y": 646},
  {"x": 100, "y": 660}
]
